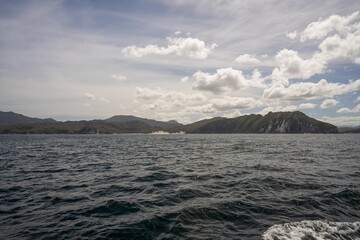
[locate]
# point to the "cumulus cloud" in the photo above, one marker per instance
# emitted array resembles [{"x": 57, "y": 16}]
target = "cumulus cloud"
[
  {"x": 188, "y": 46},
  {"x": 118, "y": 77},
  {"x": 290, "y": 65},
  {"x": 336, "y": 47},
  {"x": 344, "y": 43},
  {"x": 247, "y": 59},
  {"x": 226, "y": 104},
  {"x": 309, "y": 90},
  {"x": 327, "y": 103},
  {"x": 347, "y": 121},
  {"x": 278, "y": 108},
  {"x": 307, "y": 106},
  {"x": 344, "y": 110},
  {"x": 185, "y": 79},
  {"x": 292, "y": 35},
  {"x": 356, "y": 109},
  {"x": 233, "y": 114},
  {"x": 334, "y": 23},
  {"x": 90, "y": 96},
  {"x": 287, "y": 108},
  {"x": 147, "y": 93},
  {"x": 168, "y": 101},
  {"x": 206, "y": 108},
  {"x": 225, "y": 80}
]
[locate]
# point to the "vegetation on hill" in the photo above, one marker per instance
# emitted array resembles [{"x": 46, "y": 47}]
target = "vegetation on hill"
[
  {"x": 277, "y": 122},
  {"x": 11, "y": 118}
]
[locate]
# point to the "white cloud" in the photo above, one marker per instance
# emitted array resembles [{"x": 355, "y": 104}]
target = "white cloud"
[
  {"x": 328, "y": 103},
  {"x": 344, "y": 110},
  {"x": 147, "y": 93},
  {"x": 336, "y": 47},
  {"x": 278, "y": 108},
  {"x": 247, "y": 59},
  {"x": 228, "y": 103},
  {"x": 168, "y": 101},
  {"x": 335, "y": 23},
  {"x": 287, "y": 108},
  {"x": 307, "y": 106},
  {"x": 225, "y": 80},
  {"x": 292, "y": 35},
  {"x": 118, "y": 77},
  {"x": 185, "y": 79},
  {"x": 309, "y": 90},
  {"x": 344, "y": 43},
  {"x": 206, "y": 108},
  {"x": 190, "y": 47},
  {"x": 290, "y": 65},
  {"x": 90, "y": 96},
  {"x": 352, "y": 121},
  {"x": 356, "y": 109},
  {"x": 233, "y": 114},
  {"x": 358, "y": 99}
]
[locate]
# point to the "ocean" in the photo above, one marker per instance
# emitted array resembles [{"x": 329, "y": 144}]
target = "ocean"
[{"x": 230, "y": 186}]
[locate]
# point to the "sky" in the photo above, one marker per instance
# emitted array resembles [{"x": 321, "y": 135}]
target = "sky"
[{"x": 181, "y": 59}]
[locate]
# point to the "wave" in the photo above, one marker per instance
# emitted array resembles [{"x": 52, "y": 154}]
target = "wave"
[{"x": 313, "y": 230}]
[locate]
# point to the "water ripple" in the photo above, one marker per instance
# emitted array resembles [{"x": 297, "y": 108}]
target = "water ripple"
[{"x": 179, "y": 187}]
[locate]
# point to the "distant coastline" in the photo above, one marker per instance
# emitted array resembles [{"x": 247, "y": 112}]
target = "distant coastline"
[{"x": 273, "y": 122}]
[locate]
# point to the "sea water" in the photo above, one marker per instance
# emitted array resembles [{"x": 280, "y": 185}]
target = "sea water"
[{"x": 239, "y": 186}]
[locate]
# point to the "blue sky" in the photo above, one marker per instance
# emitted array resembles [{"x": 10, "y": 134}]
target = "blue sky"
[{"x": 182, "y": 60}]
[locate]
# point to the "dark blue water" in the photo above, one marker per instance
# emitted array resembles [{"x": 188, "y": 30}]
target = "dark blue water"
[{"x": 180, "y": 186}]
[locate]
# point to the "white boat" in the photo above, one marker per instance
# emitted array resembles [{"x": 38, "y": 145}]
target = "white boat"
[{"x": 160, "y": 133}]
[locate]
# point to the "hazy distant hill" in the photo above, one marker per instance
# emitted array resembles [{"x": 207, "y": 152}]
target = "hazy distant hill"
[
  {"x": 11, "y": 118},
  {"x": 349, "y": 129},
  {"x": 277, "y": 122},
  {"x": 116, "y": 124},
  {"x": 150, "y": 122}
]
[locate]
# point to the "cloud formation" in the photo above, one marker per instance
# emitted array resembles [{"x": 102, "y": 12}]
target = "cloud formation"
[
  {"x": 188, "y": 46},
  {"x": 225, "y": 80},
  {"x": 247, "y": 59},
  {"x": 327, "y": 103},
  {"x": 342, "y": 121},
  {"x": 225, "y": 104},
  {"x": 290, "y": 65},
  {"x": 307, "y": 106},
  {"x": 233, "y": 114},
  {"x": 334, "y": 23},
  {"x": 309, "y": 90},
  {"x": 356, "y": 109},
  {"x": 292, "y": 35},
  {"x": 344, "y": 43}
]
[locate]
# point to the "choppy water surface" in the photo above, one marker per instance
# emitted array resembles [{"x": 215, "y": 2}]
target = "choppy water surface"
[{"x": 180, "y": 187}]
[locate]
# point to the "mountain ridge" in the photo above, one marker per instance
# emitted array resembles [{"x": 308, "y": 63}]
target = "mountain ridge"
[
  {"x": 273, "y": 122},
  {"x": 11, "y": 118}
]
